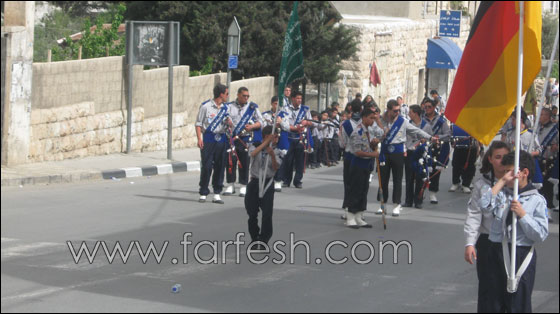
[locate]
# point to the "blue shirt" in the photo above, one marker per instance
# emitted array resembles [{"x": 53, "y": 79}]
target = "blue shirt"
[{"x": 531, "y": 229}]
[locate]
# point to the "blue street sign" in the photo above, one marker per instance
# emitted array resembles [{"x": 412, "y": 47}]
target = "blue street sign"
[
  {"x": 232, "y": 62},
  {"x": 449, "y": 23}
]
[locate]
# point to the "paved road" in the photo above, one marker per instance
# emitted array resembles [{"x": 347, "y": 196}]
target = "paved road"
[{"x": 39, "y": 273}]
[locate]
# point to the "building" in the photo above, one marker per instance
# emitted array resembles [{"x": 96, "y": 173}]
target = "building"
[{"x": 402, "y": 39}]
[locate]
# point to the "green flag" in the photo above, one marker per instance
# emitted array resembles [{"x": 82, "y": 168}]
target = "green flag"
[{"x": 291, "y": 68}]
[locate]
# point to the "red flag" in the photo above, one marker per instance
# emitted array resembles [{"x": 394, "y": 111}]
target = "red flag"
[{"x": 374, "y": 78}]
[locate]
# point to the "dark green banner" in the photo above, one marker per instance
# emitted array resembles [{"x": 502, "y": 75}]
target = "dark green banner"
[{"x": 291, "y": 68}]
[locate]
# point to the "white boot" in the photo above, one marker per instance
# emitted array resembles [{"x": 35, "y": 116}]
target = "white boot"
[
  {"x": 343, "y": 216},
  {"x": 360, "y": 221},
  {"x": 242, "y": 191},
  {"x": 351, "y": 221},
  {"x": 217, "y": 199},
  {"x": 397, "y": 211},
  {"x": 230, "y": 189},
  {"x": 466, "y": 190},
  {"x": 454, "y": 188},
  {"x": 202, "y": 199},
  {"x": 379, "y": 211},
  {"x": 433, "y": 198},
  {"x": 278, "y": 186}
]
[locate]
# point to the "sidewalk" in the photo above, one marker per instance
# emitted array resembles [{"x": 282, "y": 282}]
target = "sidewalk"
[{"x": 109, "y": 167}]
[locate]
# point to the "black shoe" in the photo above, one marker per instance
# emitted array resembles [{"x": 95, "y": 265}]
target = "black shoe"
[
  {"x": 418, "y": 206},
  {"x": 285, "y": 185},
  {"x": 298, "y": 186},
  {"x": 407, "y": 205}
]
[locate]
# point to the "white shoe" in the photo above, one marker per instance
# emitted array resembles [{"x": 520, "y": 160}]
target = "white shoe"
[
  {"x": 454, "y": 188},
  {"x": 379, "y": 211},
  {"x": 351, "y": 221},
  {"x": 433, "y": 198},
  {"x": 360, "y": 221},
  {"x": 370, "y": 178},
  {"x": 466, "y": 190},
  {"x": 397, "y": 211},
  {"x": 202, "y": 199},
  {"x": 278, "y": 186},
  {"x": 242, "y": 191},
  {"x": 230, "y": 189},
  {"x": 217, "y": 199},
  {"x": 343, "y": 216}
]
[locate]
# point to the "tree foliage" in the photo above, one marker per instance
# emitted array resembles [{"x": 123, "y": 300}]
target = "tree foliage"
[
  {"x": 263, "y": 25},
  {"x": 94, "y": 44}
]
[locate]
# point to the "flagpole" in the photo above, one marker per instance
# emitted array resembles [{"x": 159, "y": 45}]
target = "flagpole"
[
  {"x": 512, "y": 282},
  {"x": 546, "y": 82}
]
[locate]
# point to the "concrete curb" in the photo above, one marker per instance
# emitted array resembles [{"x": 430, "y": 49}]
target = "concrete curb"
[
  {"x": 77, "y": 176},
  {"x": 151, "y": 170}
]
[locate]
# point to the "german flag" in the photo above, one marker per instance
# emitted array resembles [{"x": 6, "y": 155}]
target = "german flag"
[{"x": 484, "y": 92}]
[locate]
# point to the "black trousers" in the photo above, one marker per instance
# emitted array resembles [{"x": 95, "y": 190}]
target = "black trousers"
[
  {"x": 499, "y": 299},
  {"x": 358, "y": 189},
  {"x": 327, "y": 152},
  {"x": 483, "y": 272},
  {"x": 294, "y": 159},
  {"x": 315, "y": 156},
  {"x": 254, "y": 204},
  {"x": 213, "y": 159},
  {"x": 434, "y": 181},
  {"x": 413, "y": 182},
  {"x": 244, "y": 159},
  {"x": 336, "y": 148},
  {"x": 346, "y": 180},
  {"x": 463, "y": 156},
  {"x": 393, "y": 163}
]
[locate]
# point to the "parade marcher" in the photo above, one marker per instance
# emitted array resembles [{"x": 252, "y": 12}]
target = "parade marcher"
[
  {"x": 287, "y": 96},
  {"x": 283, "y": 126},
  {"x": 440, "y": 148},
  {"x": 298, "y": 115},
  {"x": 404, "y": 107},
  {"x": 314, "y": 157},
  {"x": 252, "y": 201},
  {"x": 327, "y": 135},
  {"x": 464, "y": 159},
  {"x": 416, "y": 167},
  {"x": 477, "y": 225},
  {"x": 346, "y": 130},
  {"x": 211, "y": 134},
  {"x": 391, "y": 156},
  {"x": 246, "y": 119},
  {"x": 532, "y": 228},
  {"x": 335, "y": 121},
  {"x": 548, "y": 138},
  {"x": 439, "y": 103},
  {"x": 363, "y": 147}
]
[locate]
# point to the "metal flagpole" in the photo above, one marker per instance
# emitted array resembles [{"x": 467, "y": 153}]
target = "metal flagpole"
[
  {"x": 546, "y": 82},
  {"x": 512, "y": 282}
]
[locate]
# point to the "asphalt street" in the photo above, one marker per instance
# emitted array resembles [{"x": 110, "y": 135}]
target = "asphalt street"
[{"x": 39, "y": 273}]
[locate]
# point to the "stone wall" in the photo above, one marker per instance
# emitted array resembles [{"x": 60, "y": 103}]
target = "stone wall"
[
  {"x": 399, "y": 51},
  {"x": 79, "y": 107}
]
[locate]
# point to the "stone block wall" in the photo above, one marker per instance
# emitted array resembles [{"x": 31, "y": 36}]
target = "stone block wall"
[
  {"x": 79, "y": 107},
  {"x": 400, "y": 53}
]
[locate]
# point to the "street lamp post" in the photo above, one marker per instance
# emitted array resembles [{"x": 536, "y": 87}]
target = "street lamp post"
[{"x": 233, "y": 45}]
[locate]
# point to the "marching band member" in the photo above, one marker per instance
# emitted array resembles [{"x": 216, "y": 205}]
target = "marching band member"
[
  {"x": 211, "y": 133},
  {"x": 297, "y": 115},
  {"x": 246, "y": 119},
  {"x": 346, "y": 130},
  {"x": 283, "y": 126},
  {"x": 548, "y": 137},
  {"x": 464, "y": 158},
  {"x": 440, "y": 148},
  {"x": 416, "y": 167},
  {"x": 363, "y": 149},
  {"x": 391, "y": 156}
]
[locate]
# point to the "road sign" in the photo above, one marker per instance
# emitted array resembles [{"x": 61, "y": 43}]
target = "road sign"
[
  {"x": 232, "y": 62},
  {"x": 450, "y": 23}
]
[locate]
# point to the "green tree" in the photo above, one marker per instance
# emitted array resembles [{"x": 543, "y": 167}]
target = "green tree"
[
  {"x": 53, "y": 26},
  {"x": 263, "y": 25},
  {"x": 549, "y": 27},
  {"x": 94, "y": 44}
]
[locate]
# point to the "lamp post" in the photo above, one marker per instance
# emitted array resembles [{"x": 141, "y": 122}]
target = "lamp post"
[{"x": 234, "y": 40}]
